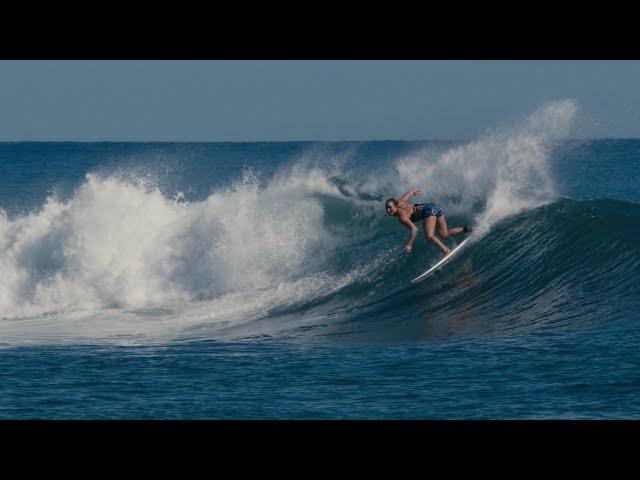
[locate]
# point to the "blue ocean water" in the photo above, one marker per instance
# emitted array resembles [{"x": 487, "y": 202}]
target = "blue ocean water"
[{"x": 264, "y": 280}]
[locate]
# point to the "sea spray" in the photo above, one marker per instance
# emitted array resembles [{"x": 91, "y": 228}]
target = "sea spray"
[{"x": 503, "y": 173}]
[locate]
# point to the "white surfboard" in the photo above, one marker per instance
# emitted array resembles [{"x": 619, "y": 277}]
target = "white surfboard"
[{"x": 441, "y": 262}]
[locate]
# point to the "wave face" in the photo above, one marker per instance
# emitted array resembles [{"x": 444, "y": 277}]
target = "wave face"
[{"x": 302, "y": 246}]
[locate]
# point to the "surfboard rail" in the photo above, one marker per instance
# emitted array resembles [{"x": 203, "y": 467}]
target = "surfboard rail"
[{"x": 441, "y": 262}]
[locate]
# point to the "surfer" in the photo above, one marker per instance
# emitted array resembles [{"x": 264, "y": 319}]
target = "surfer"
[{"x": 431, "y": 213}]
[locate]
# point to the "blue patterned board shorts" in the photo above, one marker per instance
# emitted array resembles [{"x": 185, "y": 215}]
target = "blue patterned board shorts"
[{"x": 430, "y": 209}]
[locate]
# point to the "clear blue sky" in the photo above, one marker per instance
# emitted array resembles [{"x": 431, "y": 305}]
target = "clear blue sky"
[{"x": 305, "y": 100}]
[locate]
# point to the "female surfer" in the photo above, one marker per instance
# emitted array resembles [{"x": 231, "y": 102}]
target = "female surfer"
[{"x": 431, "y": 213}]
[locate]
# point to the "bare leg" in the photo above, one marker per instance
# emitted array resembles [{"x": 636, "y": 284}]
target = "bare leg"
[
  {"x": 444, "y": 232},
  {"x": 429, "y": 233}
]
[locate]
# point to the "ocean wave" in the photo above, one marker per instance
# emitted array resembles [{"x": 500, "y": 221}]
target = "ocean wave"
[{"x": 307, "y": 247}]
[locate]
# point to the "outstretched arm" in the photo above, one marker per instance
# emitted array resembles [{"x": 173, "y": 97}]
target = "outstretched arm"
[
  {"x": 409, "y": 194},
  {"x": 413, "y": 232}
]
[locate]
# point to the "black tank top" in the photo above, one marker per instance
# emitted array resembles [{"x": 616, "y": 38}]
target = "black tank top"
[{"x": 416, "y": 214}]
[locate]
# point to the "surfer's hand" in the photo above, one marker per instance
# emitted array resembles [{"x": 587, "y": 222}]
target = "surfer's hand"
[
  {"x": 417, "y": 192},
  {"x": 408, "y": 248}
]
